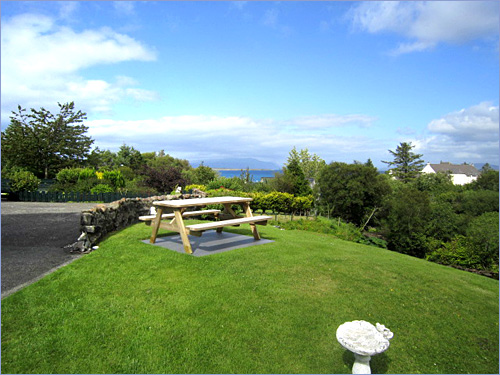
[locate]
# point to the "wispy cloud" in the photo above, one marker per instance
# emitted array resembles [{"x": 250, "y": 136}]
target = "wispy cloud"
[
  {"x": 68, "y": 9},
  {"x": 333, "y": 121},
  {"x": 125, "y": 7},
  {"x": 271, "y": 19},
  {"x": 219, "y": 137},
  {"x": 239, "y": 4},
  {"x": 42, "y": 61},
  {"x": 426, "y": 24}
]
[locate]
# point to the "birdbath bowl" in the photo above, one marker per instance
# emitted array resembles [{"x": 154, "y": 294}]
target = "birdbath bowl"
[{"x": 364, "y": 340}]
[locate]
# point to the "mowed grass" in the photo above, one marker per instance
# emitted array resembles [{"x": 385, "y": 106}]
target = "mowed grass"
[{"x": 130, "y": 307}]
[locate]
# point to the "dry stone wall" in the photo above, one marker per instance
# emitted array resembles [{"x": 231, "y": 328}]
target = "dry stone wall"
[{"x": 103, "y": 219}]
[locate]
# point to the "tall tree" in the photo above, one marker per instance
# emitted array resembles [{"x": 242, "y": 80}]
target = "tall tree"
[
  {"x": 200, "y": 175},
  {"x": 351, "y": 191},
  {"x": 300, "y": 185},
  {"x": 406, "y": 165},
  {"x": 310, "y": 164},
  {"x": 44, "y": 143},
  {"x": 129, "y": 157}
]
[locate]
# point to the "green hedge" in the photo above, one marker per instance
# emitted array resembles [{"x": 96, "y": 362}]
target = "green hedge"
[{"x": 275, "y": 202}]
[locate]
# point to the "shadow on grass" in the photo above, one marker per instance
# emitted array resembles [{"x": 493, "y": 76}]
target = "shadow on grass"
[{"x": 379, "y": 363}]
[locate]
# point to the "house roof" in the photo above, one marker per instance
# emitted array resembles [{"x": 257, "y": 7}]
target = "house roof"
[{"x": 466, "y": 169}]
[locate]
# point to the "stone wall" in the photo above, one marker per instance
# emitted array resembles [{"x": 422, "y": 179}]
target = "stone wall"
[{"x": 103, "y": 219}]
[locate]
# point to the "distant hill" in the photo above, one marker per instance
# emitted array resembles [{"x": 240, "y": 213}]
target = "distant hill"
[
  {"x": 480, "y": 165},
  {"x": 237, "y": 163}
]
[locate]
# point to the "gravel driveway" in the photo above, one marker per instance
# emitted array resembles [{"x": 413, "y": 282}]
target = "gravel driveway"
[{"x": 33, "y": 238}]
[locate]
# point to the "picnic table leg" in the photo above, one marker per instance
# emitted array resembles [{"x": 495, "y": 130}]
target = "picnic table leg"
[
  {"x": 227, "y": 210},
  {"x": 182, "y": 231},
  {"x": 156, "y": 224},
  {"x": 248, "y": 213}
]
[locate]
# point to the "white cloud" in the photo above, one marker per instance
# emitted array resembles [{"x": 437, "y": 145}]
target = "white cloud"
[
  {"x": 215, "y": 137},
  {"x": 476, "y": 123},
  {"x": 333, "y": 121},
  {"x": 41, "y": 61},
  {"x": 428, "y": 23},
  {"x": 468, "y": 135}
]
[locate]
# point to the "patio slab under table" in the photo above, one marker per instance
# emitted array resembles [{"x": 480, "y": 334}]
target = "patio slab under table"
[{"x": 211, "y": 243}]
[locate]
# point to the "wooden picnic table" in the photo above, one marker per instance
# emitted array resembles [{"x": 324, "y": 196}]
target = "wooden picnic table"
[{"x": 228, "y": 217}]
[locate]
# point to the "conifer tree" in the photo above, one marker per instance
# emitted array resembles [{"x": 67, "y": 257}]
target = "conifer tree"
[{"x": 406, "y": 165}]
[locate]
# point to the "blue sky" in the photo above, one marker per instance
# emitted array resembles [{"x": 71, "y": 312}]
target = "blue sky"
[{"x": 218, "y": 80}]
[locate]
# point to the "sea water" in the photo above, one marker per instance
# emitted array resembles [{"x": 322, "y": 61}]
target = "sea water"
[{"x": 256, "y": 175}]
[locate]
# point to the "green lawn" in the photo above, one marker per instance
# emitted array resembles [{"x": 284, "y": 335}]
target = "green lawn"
[{"x": 130, "y": 307}]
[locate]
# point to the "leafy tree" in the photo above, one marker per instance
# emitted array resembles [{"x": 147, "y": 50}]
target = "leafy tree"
[
  {"x": 407, "y": 222},
  {"x": 200, "y": 175},
  {"x": 487, "y": 180},
  {"x": 434, "y": 183},
  {"x": 281, "y": 183},
  {"x": 300, "y": 185},
  {"x": 479, "y": 249},
  {"x": 245, "y": 176},
  {"x": 310, "y": 164},
  {"x": 350, "y": 191},
  {"x": 486, "y": 167},
  {"x": 163, "y": 180},
  {"x": 476, "y": 202},
  {"x": 162, "y": 160},
  {"x": 102, "y": 159},
  {"x": 129, "y": 157},
  {"x": 44, "y": 143},
  {"x": 482, "y": 236},
  {"x": 407, "y": 164}
]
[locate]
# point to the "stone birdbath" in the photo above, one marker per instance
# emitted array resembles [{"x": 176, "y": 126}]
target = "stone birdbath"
[{"x": 364, "y": 340}]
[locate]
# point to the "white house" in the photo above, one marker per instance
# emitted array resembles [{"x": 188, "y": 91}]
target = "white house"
[{"x": 461, "y": 174}]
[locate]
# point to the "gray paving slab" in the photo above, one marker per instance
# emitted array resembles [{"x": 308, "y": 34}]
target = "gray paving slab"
[
  {"x": 34, "y": 236},
  {"x": 209, "y": 243}
]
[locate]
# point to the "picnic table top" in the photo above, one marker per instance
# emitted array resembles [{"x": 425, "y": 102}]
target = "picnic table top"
[{"x": 179, "y": 203}]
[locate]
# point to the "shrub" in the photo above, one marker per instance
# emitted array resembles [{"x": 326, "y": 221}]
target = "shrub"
[
  {"x": 114, "y": 178},
  {"x": 138, "y": 186},
  {"x": 68, "y": 176},
  {"x": 101, "y": 188},
  {"x": 478, "y": 250},
  {"x": 335, "y": 227},
  {"x": 455, "y": 252},
  {"x": 233, "y": 183},
  {"x": 302, "y": 204},
  {"x": 23, "y": 181},
  {"x": 194, "y": 186},
  {"x": 87, "y": 174}
]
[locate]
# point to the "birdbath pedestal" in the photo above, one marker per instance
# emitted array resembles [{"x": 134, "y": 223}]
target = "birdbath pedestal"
[{"x": 364, "y": 340}]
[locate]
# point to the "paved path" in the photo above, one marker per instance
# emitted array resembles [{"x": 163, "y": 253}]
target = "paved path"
[{"x": 33, "y": 238}]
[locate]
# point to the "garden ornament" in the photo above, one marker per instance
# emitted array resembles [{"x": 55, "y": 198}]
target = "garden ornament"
[{"x": 364, "y": 340}]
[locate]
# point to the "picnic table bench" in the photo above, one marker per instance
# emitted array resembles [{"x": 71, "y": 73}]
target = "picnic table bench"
[
  {"x": 227, "y": 218},
  {"x": 149, "y": 218}
]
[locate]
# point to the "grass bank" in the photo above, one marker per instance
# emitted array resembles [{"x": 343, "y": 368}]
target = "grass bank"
[{"x": 130, "y": 307}]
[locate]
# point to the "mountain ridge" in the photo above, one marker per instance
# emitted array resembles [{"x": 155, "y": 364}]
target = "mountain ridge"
[{"x": 237, "y": 163}]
